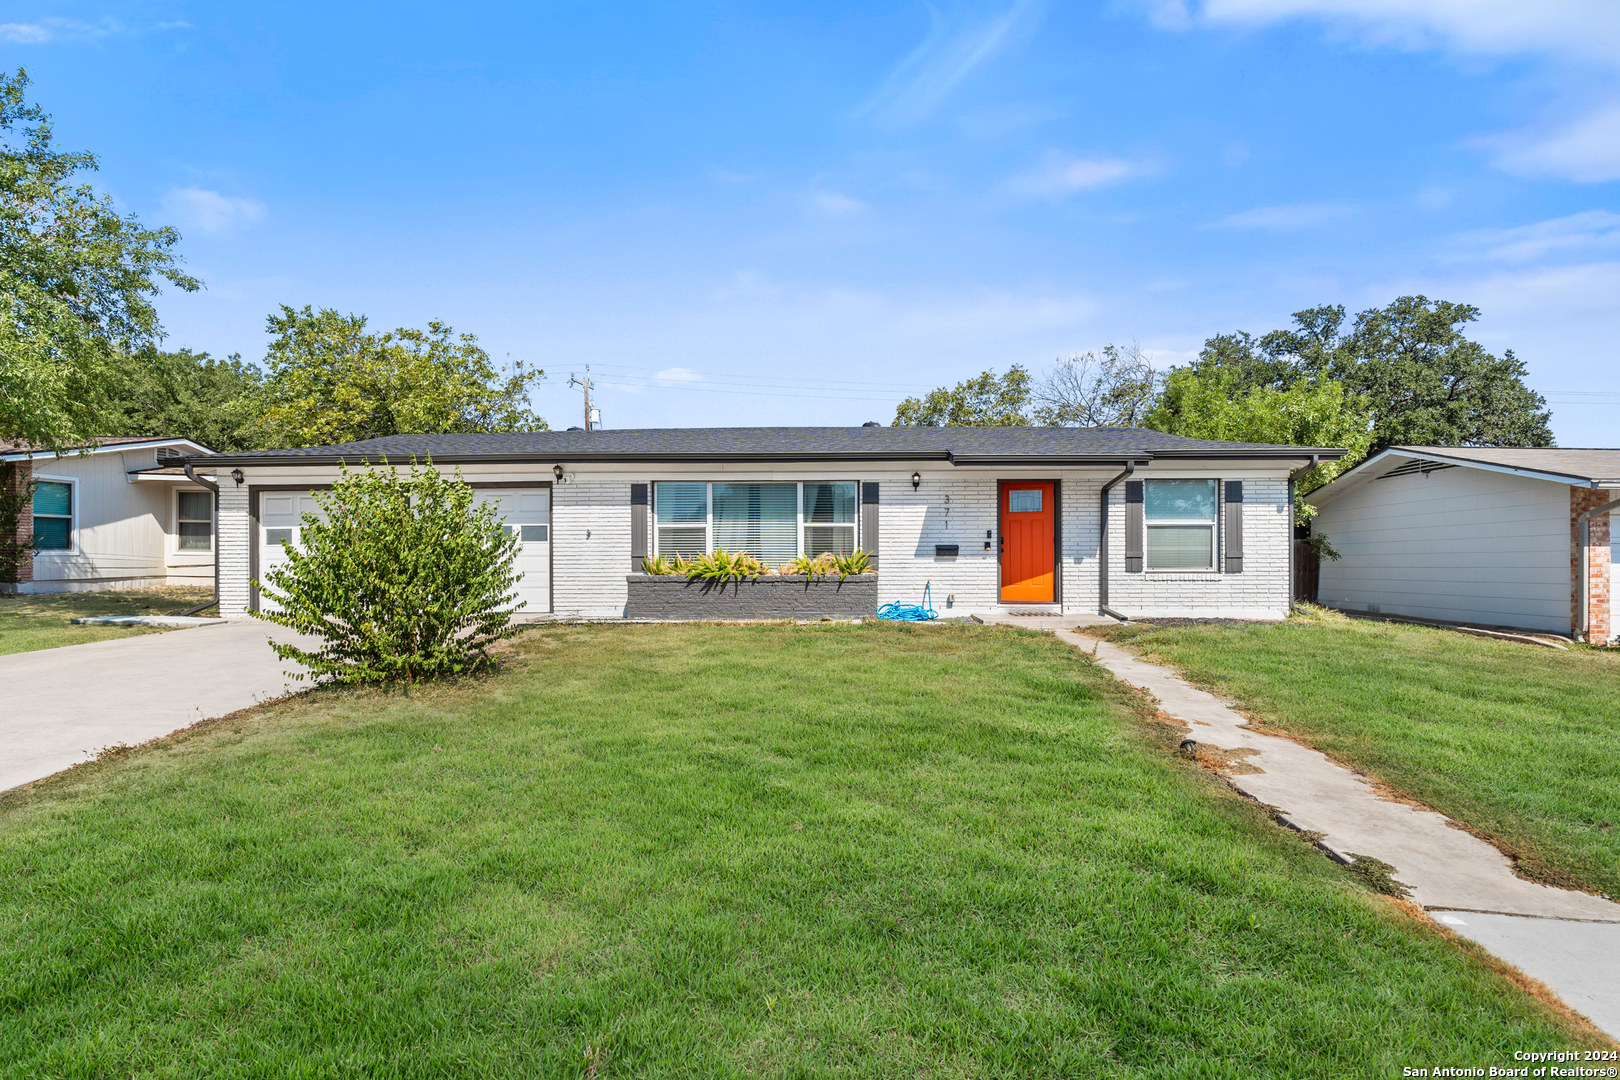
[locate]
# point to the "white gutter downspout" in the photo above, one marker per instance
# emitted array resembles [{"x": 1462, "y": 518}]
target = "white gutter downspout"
[
  {"x": 211, "y": 486},
  {"x": 1102, "y": 547},
  {"x": 1583, "y": 601},
  {"x": 1316, "y": 459}
]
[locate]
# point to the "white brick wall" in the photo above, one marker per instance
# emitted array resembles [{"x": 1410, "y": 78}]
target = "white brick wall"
[
  {"x": 235, "y": 540},
  {"x": 946, "y": 509},
  {"x": 591, "y": 540},
  {"x": 1259, "y": 592},
  {"x": 590, "y": 547}
]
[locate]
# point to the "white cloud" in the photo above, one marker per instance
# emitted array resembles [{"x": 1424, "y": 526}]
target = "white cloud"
[
  {"x": 1577, "y": 29},
  {"x": 48, "y": 30},
  {"x": 1060, "y": 175},
  {"x": 1586, "y": 150},
  {"x": 1289, "y": 217},
  {"x": 209, "y": 211},
  {"x": 957, "y": 44},
  {"x": 1576, "y": 232},
  {"x": 833, "y": 205},
  {"x": 676, "y": 376},
  {"x": 24, "y": 33},
  {"x": 1582, "y": 33}
]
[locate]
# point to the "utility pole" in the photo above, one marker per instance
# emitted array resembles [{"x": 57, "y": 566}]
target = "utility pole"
[{"x": 592, "y": 422}]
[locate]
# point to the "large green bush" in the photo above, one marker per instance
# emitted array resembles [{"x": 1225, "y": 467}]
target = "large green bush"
[{"x": 405, "y": 579}]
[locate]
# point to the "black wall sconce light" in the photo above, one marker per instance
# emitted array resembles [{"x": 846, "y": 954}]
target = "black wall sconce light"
[
  {"x": 238, "y": 475},
  {"x": 916, "y": 481},
  {"x": 556, "y": 470}
]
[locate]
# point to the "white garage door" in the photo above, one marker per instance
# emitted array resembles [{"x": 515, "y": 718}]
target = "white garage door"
[
  {"x": 524, "y": 511},
  {"x": 280, "y": 515},
  {"x": 527, "y": 512}
]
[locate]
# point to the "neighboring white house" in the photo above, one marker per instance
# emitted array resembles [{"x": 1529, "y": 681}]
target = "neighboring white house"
[
  {"x": 1482, "y": 535},
  {"x": 118, "y": 515},
  {"x": 987, "y": 518}
]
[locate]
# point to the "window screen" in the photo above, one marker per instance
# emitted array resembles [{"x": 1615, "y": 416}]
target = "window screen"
[
  {"x": 195, "y": 520},
  {"x": 1180, "y": 519},
  {"x": 53, "y": 516}
]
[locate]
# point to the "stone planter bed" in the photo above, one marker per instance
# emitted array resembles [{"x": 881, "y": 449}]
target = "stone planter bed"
[{"x": 784, "y": 596}]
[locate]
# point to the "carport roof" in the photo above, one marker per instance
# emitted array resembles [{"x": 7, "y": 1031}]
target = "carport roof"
[{"x": 960, "y": 445}]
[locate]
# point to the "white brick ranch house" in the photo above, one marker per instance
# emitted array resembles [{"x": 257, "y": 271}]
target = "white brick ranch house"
[{"x": 989, "y": 518}]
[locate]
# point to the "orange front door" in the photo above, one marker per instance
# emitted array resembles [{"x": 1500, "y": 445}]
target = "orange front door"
[{"x": 1028, "y": 520}]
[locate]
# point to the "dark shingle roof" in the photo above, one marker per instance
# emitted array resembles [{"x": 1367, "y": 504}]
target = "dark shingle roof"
[{"x": 964, "y": 445}]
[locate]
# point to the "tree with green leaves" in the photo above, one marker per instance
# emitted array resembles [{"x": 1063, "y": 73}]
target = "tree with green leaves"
[
  {"x": 1419, "y": 378},
  {"x": 189, "y": 395},
  {"x": 77, "y": 281},
  {"x": 330, "y": 381},
  {"x": 402, "y": 578},
  {"x": 1213, "y": 403},
  {"x": 987, "y": 401}
]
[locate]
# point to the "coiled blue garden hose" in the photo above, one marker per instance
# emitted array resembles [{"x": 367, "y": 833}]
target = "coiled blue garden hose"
[{"x": 911, "y": 612}]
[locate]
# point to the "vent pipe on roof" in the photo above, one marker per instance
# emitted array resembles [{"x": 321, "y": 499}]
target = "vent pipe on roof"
[{"x": 1583, "y": 601}]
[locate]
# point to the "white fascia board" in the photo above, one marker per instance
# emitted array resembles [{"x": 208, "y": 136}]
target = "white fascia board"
[
  {"x": 171, "y": 478},
  {"x": 1364, "y": 473},
  {"x": 40, "y": 455}
]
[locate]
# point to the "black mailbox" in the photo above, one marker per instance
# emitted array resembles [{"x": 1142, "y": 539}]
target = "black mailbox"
[{"x": 942, "y": 551}]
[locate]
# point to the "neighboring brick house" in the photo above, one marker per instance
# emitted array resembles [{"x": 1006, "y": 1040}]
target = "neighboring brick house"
[
  {"x": 1482, "y": 535},
  {"x": 986, "y": 518},
  {"x": 120, "y": 514}
]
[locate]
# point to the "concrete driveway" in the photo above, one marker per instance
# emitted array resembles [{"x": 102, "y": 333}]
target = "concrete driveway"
[{"x": 60, "y": 707}]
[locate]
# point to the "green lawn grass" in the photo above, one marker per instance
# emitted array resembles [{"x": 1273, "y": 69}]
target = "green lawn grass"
[
  {"x": 30, "y": 622},
  {"x": 1512, "y": 740},
  {"x": 793, "y": 851}
]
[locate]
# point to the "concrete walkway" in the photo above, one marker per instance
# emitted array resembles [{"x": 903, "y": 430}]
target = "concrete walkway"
[
  {"x": 63, "y": 706},
  {"x": 1568, "y": 940}
]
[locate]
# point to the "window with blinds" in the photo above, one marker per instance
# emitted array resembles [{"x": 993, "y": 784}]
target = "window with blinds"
[
  {"x": 1180, "y": 520},
  {"x": 53, "y": 516},
  {"x": 774, "y": 522},
  {"x": 194, "y": 520}
]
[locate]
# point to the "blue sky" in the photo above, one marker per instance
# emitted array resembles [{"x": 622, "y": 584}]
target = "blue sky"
[{"x": 752, "y": 213}]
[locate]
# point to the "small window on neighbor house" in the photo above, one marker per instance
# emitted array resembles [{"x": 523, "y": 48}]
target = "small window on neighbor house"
[
  {"x": 1180, "y": 520},
  {"x": 195, "y": 520},
  {"x": 278, "y": 536},
  {"x": 53, "y": 516}
]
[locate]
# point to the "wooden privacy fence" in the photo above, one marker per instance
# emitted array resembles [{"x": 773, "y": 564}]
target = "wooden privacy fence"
[{"x": 1307, "y": 570}]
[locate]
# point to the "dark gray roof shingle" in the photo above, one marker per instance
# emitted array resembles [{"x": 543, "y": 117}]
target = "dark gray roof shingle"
[{"x": 965, "y": 444}]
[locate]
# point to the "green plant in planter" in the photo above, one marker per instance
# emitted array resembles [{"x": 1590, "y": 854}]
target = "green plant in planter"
[
  {"x": 660, "y": 566},
  {"x": 722, "y": 565},
  {"x": 817, "y": 566},
  {"x": 405, "y": 579},
  {"x": 856, "y": 562}
]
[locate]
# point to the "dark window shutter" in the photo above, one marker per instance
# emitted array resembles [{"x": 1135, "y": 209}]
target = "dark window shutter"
[
  {"x": 1133, "y": 526},
  {"x": 869, "y": 519},
  {"x": 640, "y": 525},
  {"x": 1234, "y": 526}
]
